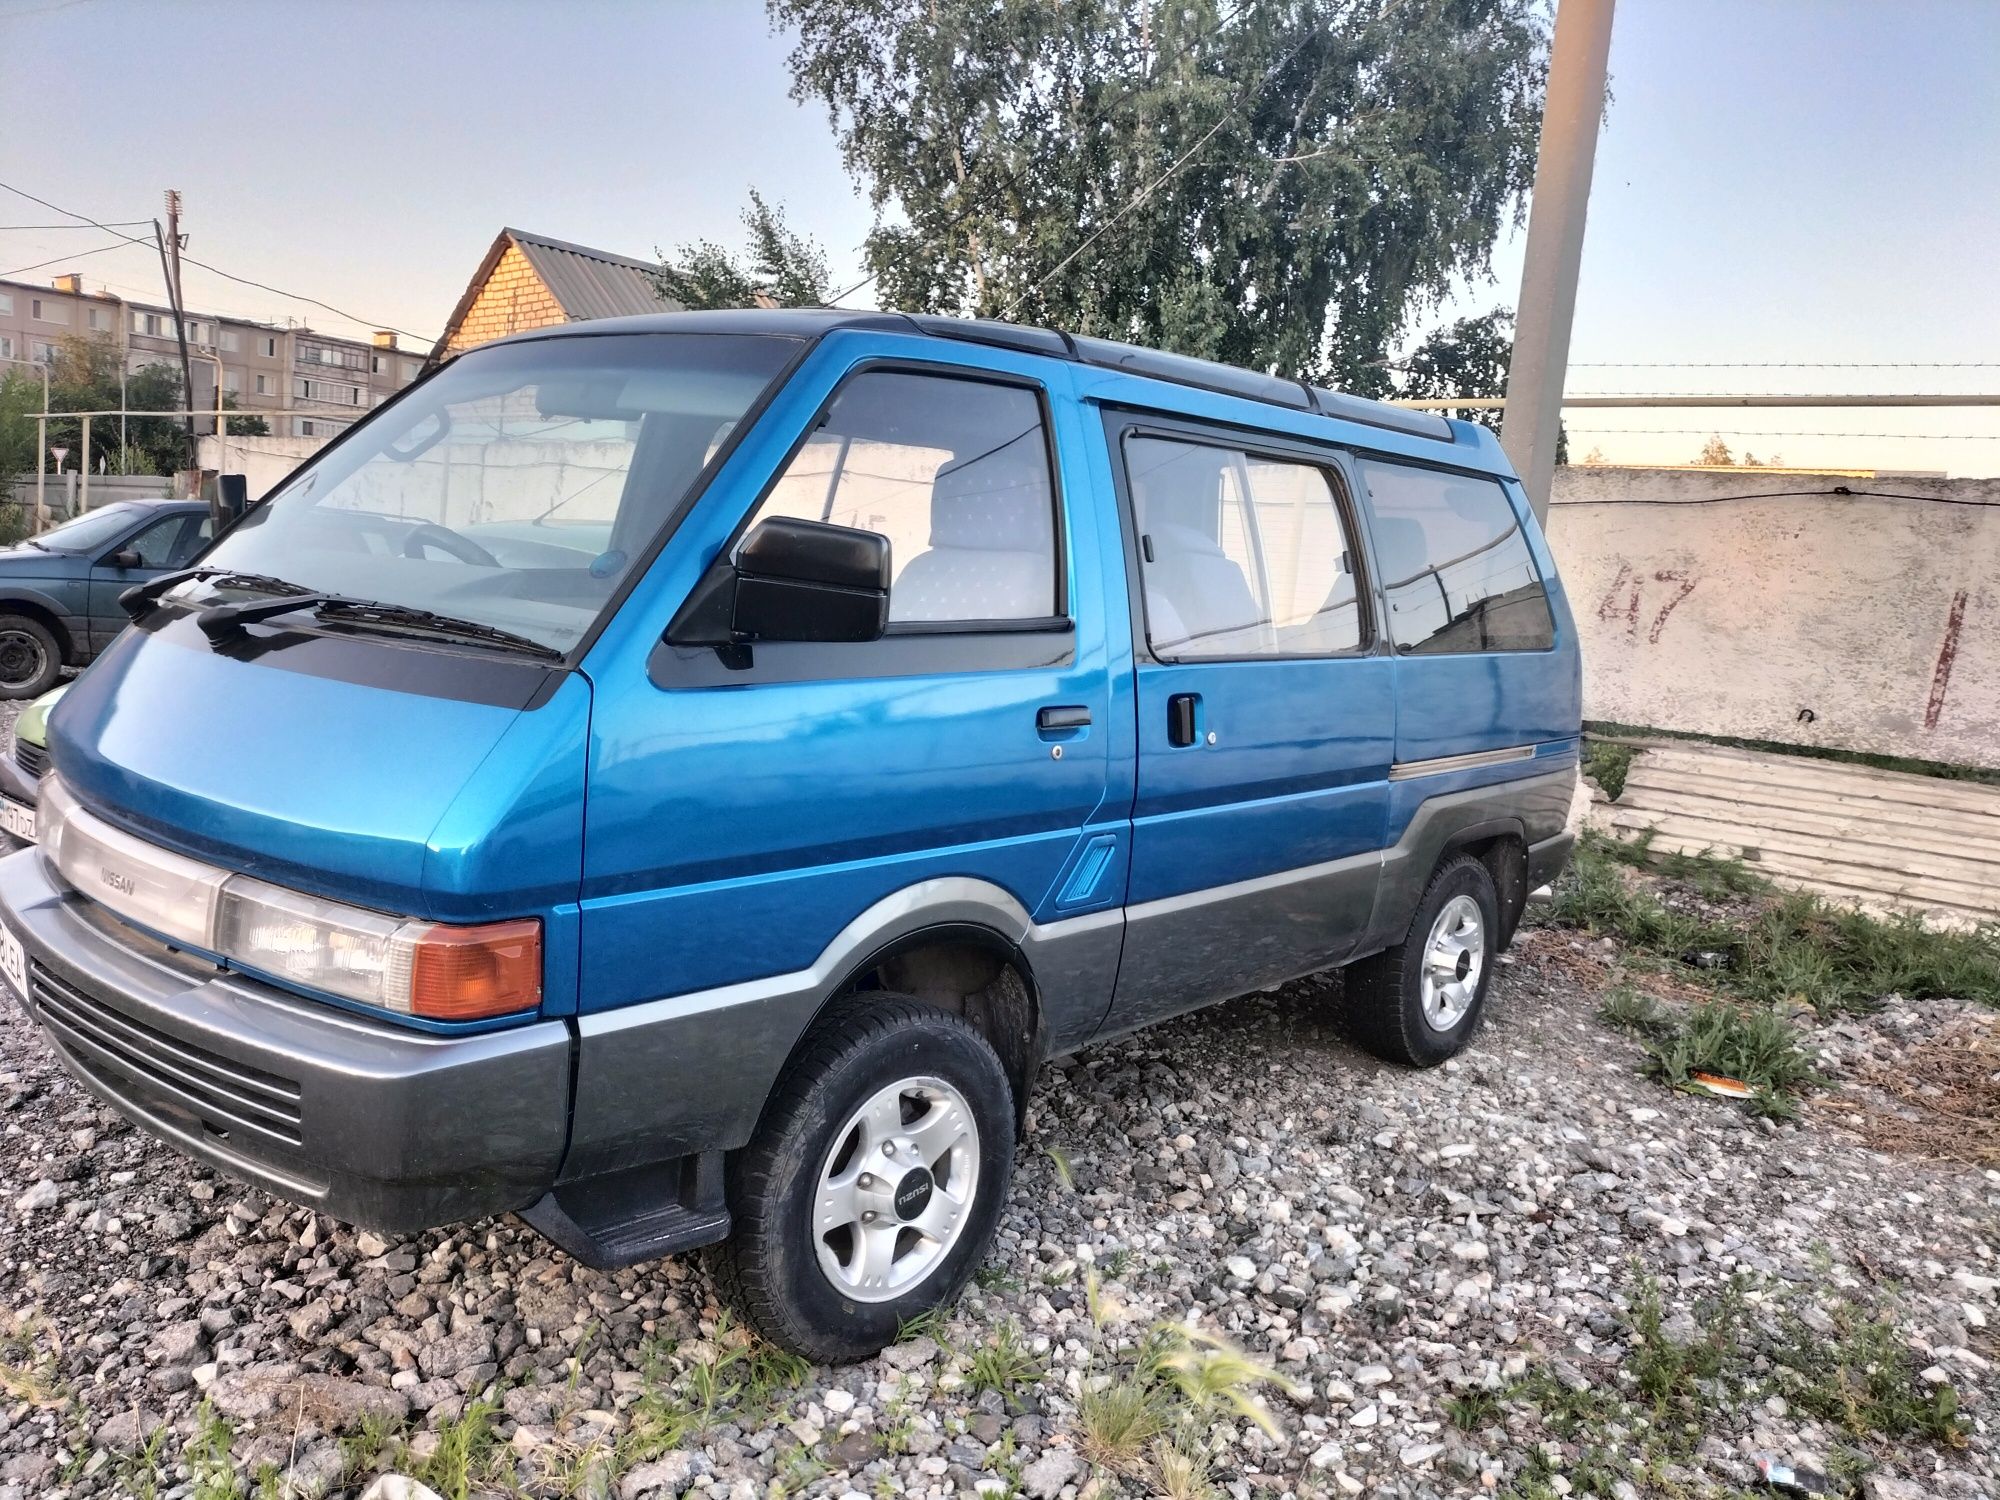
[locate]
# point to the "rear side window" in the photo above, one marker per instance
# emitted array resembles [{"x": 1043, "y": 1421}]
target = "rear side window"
[
  {"x": 1240, "y": 554},
  {"x": 1455, "y": 566},
  {"x": 955, "y": 473}
]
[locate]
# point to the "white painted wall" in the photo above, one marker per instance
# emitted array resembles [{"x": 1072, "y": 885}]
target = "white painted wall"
[
  {"x": 263, "y": 461},
  {"x": 1703, "y": 612}
]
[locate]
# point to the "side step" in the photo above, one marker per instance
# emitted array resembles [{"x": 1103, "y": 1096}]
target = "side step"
[{"x": 641, "y": 1213}]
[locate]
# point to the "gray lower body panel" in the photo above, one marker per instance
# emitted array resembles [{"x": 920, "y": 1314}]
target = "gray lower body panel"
[{"x": 367, "y": 1121}]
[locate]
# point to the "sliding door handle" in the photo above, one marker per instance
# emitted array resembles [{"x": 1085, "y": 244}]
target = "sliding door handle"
[{"x": 1063, "y": 716}]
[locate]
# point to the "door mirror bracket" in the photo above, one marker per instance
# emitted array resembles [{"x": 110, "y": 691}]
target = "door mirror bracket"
[{"x": 791, "y": 580}]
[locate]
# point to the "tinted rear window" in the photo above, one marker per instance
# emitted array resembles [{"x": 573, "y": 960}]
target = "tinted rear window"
[{"x": 1454, "y": 562}]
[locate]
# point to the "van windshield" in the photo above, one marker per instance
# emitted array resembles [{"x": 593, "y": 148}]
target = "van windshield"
[{"x": 517, "y": 487}]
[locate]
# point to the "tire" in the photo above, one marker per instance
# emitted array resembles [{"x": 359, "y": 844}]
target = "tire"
[
  {"x": 843, "y": 1293},
  {"x": 30, "y": 657},
  {"x": 1390, "y": 1008}
]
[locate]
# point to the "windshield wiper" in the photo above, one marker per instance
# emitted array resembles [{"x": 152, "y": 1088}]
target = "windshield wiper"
[
  {"x": 139, "y": 599},
  {"x": 337, "y": 609},
  {"x": 222, "y": 621}
]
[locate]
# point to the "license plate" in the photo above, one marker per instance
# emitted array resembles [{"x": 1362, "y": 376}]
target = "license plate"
[
  {"x": 17, "y": 819},
  {"x": 13, "y": 964}
]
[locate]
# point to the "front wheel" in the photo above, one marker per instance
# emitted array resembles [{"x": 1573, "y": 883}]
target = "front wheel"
[
  {"x": 875, "y": 1179},
  {"x": 1420, "y": 1001},
  {"x": 30, "y": 658}
]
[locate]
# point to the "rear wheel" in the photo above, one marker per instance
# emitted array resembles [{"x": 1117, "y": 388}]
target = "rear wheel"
[
  {"x": 875, "y": 1180},
  {"x": 30, "y": 658},
  {"x": 1420, "y": 1001}
]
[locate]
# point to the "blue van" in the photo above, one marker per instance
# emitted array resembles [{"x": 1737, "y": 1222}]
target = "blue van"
[{"x": 676, "y": 778}]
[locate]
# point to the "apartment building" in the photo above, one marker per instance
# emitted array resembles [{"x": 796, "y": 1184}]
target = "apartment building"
[{"x": 303, "y": 382}]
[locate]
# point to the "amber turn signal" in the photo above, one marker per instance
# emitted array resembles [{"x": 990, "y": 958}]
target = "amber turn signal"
[{"x": 474, "y": 973}]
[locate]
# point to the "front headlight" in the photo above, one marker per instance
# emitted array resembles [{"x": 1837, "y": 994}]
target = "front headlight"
[{"x": 437, "y": 970}]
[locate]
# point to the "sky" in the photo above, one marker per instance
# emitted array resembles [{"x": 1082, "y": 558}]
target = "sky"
[{"x": 1800, "y": 183}]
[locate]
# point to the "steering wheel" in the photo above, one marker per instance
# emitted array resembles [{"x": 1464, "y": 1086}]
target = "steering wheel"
[{"x": 464, "y": 548}]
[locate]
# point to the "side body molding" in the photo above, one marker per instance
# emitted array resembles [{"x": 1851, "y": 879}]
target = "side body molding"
[{"x": 691, "y": 1072}]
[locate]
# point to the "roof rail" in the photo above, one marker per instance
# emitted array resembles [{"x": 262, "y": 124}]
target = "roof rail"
[{"x": 1181, "y": 369}]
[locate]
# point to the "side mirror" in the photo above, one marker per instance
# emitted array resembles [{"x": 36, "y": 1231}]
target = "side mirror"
[
  {"x": 791, "y": 580},
  {"x": 125, "y": 557}
]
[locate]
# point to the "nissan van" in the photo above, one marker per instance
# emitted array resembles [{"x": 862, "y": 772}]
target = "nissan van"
[{"x": 676, "y": 778}]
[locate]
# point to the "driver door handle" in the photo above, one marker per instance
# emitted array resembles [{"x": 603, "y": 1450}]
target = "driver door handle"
[{"x": 1063, "y": 716}]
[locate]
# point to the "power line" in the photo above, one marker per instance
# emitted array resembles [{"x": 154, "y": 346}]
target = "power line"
[
  {"x": 115, "y": 224},
  {"x": 228, "y": 275},
  {"x": 60, "y": 259}
]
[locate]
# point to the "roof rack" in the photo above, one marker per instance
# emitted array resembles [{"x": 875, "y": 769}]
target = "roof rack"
[{"x": 1180, "y": 369}]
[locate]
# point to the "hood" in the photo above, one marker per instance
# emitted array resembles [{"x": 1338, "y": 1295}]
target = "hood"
[
  {"x": 415, "y": 802},
  {"x": 33, "y": 562}
]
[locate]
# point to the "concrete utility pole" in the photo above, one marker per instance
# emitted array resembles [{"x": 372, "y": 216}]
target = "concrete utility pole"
[
  {"x": 170, "y": 265},
  {"x": 1570, "y": 117}
]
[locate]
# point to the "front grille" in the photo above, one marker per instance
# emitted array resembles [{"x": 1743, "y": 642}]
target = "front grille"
[
  {"x": 223, "y": 1094},
  {"x": 34, "y": 759}
]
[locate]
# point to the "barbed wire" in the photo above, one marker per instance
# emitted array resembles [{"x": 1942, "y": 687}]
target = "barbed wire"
[{"x": 1916, "y": 437}]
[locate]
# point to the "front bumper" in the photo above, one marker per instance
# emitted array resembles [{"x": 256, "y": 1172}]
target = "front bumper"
[
  {"x": 17, "y": 783},
  {"x": 364, "y": 1120}
]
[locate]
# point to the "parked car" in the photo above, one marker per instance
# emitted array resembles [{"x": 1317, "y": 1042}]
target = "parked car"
[
  {"x": 913, "y": 700},
  {"x": 21, "y": 772},
  {"x": 59, "y": 590}
]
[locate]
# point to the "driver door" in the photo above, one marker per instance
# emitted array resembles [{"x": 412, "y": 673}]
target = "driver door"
[{"x": 159, "y": 547}]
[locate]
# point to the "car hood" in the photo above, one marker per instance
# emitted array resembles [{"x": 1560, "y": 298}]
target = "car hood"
[
  {"x": 32, "y": 562},
  {"x": 411, "y": 802}
]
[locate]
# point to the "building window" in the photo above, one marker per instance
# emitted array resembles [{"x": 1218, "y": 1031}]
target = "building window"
[
  {"x": 47, "y": 312},
  {"x": 194, "y": 330},
  {"x": 410, "y": 369},
  {"x": 263, "y": 385},
  {"x": 232, "y": 381},
  {"x": 229, "y": 341},
  {"x": 270, "y": 348},
  {"x": 302, "y": 388},
  {"x": 7, "y": 303},
  {"x": 374, "y": 364},
  {"x": 152, "y": 325},
  {"x": 6, "y": 347},
  {"x": 42, "y": 352},
  {"x": 97, "y": 317},
  {"x": 1456, "y": 569},
  {"x": 955, "y": 473}
]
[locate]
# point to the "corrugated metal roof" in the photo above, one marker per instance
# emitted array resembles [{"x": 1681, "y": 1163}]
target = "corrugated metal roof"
[{"x": 593, "y": 283}]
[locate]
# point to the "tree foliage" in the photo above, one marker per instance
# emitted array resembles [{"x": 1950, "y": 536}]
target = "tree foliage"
[
  {"x": 83, "y": 376},
  {"x": 779, "y": 267},
  {"x": 1466, "y": 358},
  {"x": 1278, "y": 183}
]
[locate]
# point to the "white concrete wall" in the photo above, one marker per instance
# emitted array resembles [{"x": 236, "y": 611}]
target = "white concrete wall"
[
  {"x": 1856, "y": 621},
  {"x": 263, "y": 461}
]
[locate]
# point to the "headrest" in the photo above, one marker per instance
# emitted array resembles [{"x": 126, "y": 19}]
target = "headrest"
[{"x": 996, "y": 501}]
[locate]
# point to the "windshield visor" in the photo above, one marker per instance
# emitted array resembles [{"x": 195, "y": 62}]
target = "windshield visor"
[{"x": 519, "y": 486}]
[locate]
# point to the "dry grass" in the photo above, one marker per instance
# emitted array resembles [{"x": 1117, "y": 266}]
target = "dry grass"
[{"x": 1940, "y": 1099}]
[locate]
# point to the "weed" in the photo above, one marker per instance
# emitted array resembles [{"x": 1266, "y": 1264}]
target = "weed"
[
  {"x": 1752, "y": 1044},
  {"x": 1629, "y": 1008},
  {"x": 1143, "y": 1415},
  {"x": 464, "y": 1446},
  {"x": 1064, "y": 1174},
  {"x": 1471, "y": 1410},
  {"x": 996, "y": 1279},
  {"x": 139, "y": 1473},
  {"x": 1864, "y": 1380},
  {"x": 1606, "y": 764},
  {"x": 1003, "y": 1362},
  {"x": 1117, "y": 1262},
  {"x": 361, "y": 1450},
  {"x": 1789, "y": 947},
  {"x": 207, "y": 1455}
]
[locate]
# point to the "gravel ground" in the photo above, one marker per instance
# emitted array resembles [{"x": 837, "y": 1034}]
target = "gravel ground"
[{"x": 1512, "y": 1274}]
